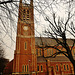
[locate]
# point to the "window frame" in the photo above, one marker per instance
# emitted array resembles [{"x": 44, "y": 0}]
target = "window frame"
[
  {"x": 25, "y": 45},
  {"x": 38, "y": 68},
  {"x": 37, "y": 52},
  {"x": 27, "y": 68},
  {"x": 23, "y": 68},
  {"x": 64, "y": 67},
  {"x": 40, "y": 52},
  {"x": 67, "y": 67},
  {"x": 47, "y": 52},
  {"x": 28, "y": 14},
  {"x": 41, "y": 68},
  {"x": 57, "y": 68}
]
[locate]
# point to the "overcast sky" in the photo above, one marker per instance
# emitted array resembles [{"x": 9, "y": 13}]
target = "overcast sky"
[{"x": 44, "y": 7}]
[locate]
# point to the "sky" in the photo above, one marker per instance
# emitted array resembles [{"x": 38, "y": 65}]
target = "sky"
[{"x": 41, "y": 10}]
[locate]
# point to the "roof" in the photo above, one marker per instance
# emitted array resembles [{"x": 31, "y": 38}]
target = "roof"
[
  {"x": 56, "y": 59},
  {"x": 8, "y": 68},
  {"x": 41, "y": 59},
  {"x": 49, "y": 41},
  {"x": 59, "y": 59}
]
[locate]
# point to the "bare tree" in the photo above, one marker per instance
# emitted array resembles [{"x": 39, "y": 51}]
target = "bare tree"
[
  {"x": 3, "y": 60},
  {"x": 8, "y": 21},
  {"x": 56, "y": 26},
  {"x": 60, "y": 28}
]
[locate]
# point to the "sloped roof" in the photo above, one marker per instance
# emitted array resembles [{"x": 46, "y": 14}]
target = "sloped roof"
[
  {"x": 59, "y": 59},
  {"x": 9, "y": 67},
  {"x": 49, "y": 41},
  {"x": 41, "y": 59},
  {"x": 56, "y": 59}
]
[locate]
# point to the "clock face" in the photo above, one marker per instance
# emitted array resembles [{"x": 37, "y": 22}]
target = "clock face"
[{"x": 25, "y": 27}]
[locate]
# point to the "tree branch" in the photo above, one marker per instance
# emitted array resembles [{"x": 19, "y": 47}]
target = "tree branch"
[{"x": 9, "y": 1}]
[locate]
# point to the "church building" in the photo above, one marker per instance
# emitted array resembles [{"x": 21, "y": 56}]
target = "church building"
[{"x": 29, "y": 59}]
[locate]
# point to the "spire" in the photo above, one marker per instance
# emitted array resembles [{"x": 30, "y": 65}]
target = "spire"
[
  {"x": 31, "y": 2},
  {"x": 20, "y": 1}
]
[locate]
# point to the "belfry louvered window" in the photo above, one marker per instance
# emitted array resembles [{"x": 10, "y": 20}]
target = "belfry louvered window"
[{"x": 27, "y": 14}]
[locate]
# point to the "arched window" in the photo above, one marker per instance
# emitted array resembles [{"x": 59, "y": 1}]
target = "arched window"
[
  {"x": 23, "y": 68},
  {"x": 52, "y": 51},
  {"x": 40, "y": 51},
  {"x": 26, "y": 1},
  {"x": 24, "y": 11},
  {"x": 47, "y": 51},
  {"x": 27, "y": 68},
  {"x": 38, "y": 68},
  {"x": 41, "y": 68},
  {"x": 67, "y": 67},
  {"x": 27, "y": 11},
  {"x": 57, "y": 67},
  {"x": 27, "y": 14},
  {"x": 64, "y": 67}
]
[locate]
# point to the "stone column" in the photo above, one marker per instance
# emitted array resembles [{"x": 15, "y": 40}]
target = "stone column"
[
  {"x": 54, "y": 71},
  {"x": 49, "y": 71},
  {"x": 49, "y": 68}
]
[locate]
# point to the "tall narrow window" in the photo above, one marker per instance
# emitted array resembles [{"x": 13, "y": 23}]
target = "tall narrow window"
[
  {"x": 67, "y": 67},
  {"x": 38, "y": 68},
  {"x": 36, "y": 51},
  {"x": 57, "y": 67},
  {"x": 47, "y": 52},
  {"x": 40, "y": 51},
  {"x": 25, "y": 45},
  {"x": 27, "y": 11},
  {"x": 52, "y": 51},
  {"x": 23, "y": 68},
  {"x": 41, "y": 68},
  {"x": 27, "y": 68},
  {"x": 27, "y": 14},
  {"x": 64, "y": 67},
  {"x": 24, "y": 11}
]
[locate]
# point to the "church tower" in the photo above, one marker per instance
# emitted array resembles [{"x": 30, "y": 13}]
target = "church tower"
[{"x": 25, "y": 61}]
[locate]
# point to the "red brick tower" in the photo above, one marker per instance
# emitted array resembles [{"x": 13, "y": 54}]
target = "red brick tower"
[{"x": 25, "y": 61}]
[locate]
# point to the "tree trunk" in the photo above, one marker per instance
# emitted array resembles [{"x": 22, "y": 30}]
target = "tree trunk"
[{"x": 74, "y": 68}]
